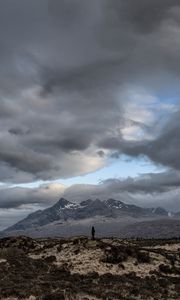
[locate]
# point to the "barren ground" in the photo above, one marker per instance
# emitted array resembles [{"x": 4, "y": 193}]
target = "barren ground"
[{"x": 78, "y": 268}]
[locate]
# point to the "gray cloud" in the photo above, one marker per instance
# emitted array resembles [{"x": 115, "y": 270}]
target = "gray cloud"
[
  {"x": 21, "y": 197},
  {"x": 66, "y": 67},
  {"x": 142, "y": 16},
  {"x": 163, "y": 149},
  {"x": 148, "y": 190},
  {"x": 152, "y": 184}
]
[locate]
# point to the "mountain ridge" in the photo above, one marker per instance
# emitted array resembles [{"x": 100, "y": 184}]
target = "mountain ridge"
[{"x": 64, "y": 210}]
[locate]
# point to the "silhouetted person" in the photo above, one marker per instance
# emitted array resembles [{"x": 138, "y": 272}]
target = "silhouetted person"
[{"x": 93, "y": 232}]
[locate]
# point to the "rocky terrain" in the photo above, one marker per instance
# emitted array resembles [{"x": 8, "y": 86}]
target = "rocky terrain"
[{"x": 81, "y": 269}]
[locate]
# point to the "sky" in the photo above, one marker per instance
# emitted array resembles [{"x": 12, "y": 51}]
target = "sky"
[{"x": 89, "y": 103}]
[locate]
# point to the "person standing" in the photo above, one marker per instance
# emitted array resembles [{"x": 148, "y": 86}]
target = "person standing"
[{"x": 93, "y": 233}]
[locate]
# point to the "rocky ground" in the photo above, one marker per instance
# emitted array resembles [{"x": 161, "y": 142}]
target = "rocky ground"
[{"x": 79, "y": 268}]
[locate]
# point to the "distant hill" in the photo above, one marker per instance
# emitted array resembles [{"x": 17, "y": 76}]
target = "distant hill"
[
  {"x": 177, "y": 215},
  {"x": 159, "y": 229}
]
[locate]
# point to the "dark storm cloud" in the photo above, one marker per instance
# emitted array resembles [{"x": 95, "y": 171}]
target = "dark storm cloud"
[
  {"x": 141, "y": 15},
  {"x": 162, "y": 150},
  {"x": 65, "y": 68},
  {"x": 19, "y": 131}
]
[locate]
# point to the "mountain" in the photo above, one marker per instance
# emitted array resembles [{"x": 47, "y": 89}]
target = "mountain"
[
  {"x": 65, "y": 210},
  {"x": 133, "y": 210},
  {"x": 177, "y": 215},
  {"x": 160, "y": 211}
]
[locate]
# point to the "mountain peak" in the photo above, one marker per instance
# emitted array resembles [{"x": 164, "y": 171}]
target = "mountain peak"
[
  {"x": 86, "y": 202},
  {"x": 160, "y": 211},
  {"x": 61, "y": 203},
  {"x": 97, "y": 200},
  {"x": 114, "y": 203}
]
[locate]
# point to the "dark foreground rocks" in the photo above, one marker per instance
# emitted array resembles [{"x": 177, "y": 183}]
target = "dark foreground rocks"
[{"x": 79, "y": 268}]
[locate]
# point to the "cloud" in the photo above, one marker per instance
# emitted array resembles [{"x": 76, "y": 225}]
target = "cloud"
[
  {"x": 150, "y": 185},
  {"x": 26, "y": 198},
  {"x": 66, "y": 71},
  {"x": 147, "y": 190},
  {"x": 142, "y": 16}
]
